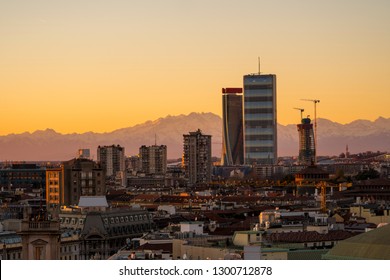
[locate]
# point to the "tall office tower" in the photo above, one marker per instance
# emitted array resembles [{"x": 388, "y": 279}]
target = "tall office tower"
[
  {"x": 260, "y": 137},
  {"x": 232, "y": 127},
  {"x": 307, "y": 149},
  {"x": 112, "y": 159},
  {"x": 153, "y": 159},
  {"x": 82, "y": 177},
  {"x": 197, "y": 157}
]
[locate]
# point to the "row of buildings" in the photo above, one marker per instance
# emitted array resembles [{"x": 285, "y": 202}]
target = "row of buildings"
[
  {"x": 250, "y": 125},
  {"x": 66, "y": 183},
  {"x": 250, "y": 122}
]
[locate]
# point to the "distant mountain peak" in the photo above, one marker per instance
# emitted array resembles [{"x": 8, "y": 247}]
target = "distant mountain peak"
[{"x": 47, "y": 130}]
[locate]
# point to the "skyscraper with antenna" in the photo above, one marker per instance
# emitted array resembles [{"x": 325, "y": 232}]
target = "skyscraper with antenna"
[{"x": 260, "y": 120}]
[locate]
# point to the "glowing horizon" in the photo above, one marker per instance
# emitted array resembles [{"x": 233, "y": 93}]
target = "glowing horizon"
[{"x": 100, "y": 66}]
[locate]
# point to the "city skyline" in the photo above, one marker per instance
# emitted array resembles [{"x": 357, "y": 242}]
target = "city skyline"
[{"x": 96, "y": 66}]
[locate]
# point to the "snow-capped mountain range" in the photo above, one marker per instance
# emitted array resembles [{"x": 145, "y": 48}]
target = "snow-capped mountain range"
[{"x": 48, "y": 145}]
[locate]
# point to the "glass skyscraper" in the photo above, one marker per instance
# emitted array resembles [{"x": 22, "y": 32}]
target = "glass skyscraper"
[
  {"x": 232, "y": 127},
  {"x": 260, "y": 124}
]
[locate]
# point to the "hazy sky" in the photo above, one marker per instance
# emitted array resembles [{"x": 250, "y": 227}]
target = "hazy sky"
[{"x": 89, "y": 65}]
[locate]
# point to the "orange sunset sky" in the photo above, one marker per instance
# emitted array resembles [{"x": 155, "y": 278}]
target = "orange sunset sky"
[{"x": 91, "y": 65}]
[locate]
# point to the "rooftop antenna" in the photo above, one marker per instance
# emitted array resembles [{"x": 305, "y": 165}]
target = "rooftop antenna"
[
  {"x": 155, "y": 139},
  {"x": 259, "y": 64}
]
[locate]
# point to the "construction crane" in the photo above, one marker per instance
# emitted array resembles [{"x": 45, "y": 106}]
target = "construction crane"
[
  {"x": 315, "y": 101},
  {"x": 322, "y": 186},
  {"x": 300, "y": 109}
]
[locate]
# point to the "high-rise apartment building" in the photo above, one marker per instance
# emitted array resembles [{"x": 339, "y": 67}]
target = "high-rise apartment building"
[
  {"x": 232, "y": 127},
  {"x": 197, "y": 157},
  {"x": 307, "y": 149},
  {"x": 153, "y": 159},
  {"x": 112, "y": 159},
  {"x": 260, "y": 123}
]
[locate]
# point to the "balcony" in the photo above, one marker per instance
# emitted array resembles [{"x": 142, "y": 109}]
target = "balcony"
[{"x": 40, "y": 226}]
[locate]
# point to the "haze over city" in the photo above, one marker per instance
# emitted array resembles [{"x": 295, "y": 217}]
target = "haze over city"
[
  {"x": 194, "y": 130},
  {"x": 102, "y": 65}
]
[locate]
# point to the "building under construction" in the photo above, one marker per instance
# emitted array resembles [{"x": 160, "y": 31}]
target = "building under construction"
[{"x": 307, "y": 149}]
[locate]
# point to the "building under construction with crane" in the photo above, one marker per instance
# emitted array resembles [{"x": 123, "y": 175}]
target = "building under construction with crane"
[
  {"x": 315, "y": 101},
  {"x": 307, "y": 148}
]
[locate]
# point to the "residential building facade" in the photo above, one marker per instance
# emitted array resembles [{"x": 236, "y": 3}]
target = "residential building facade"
[
  {"x": 153, "y": 159},
  {"x": 55, "y": 193},
  {"x": 112, "y": 159},
  {"x": 197, "y": 157},
  {"x": 82, "y": 177}
]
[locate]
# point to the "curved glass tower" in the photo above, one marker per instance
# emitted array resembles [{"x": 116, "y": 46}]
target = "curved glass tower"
[{"x": 232, "y": 127}]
